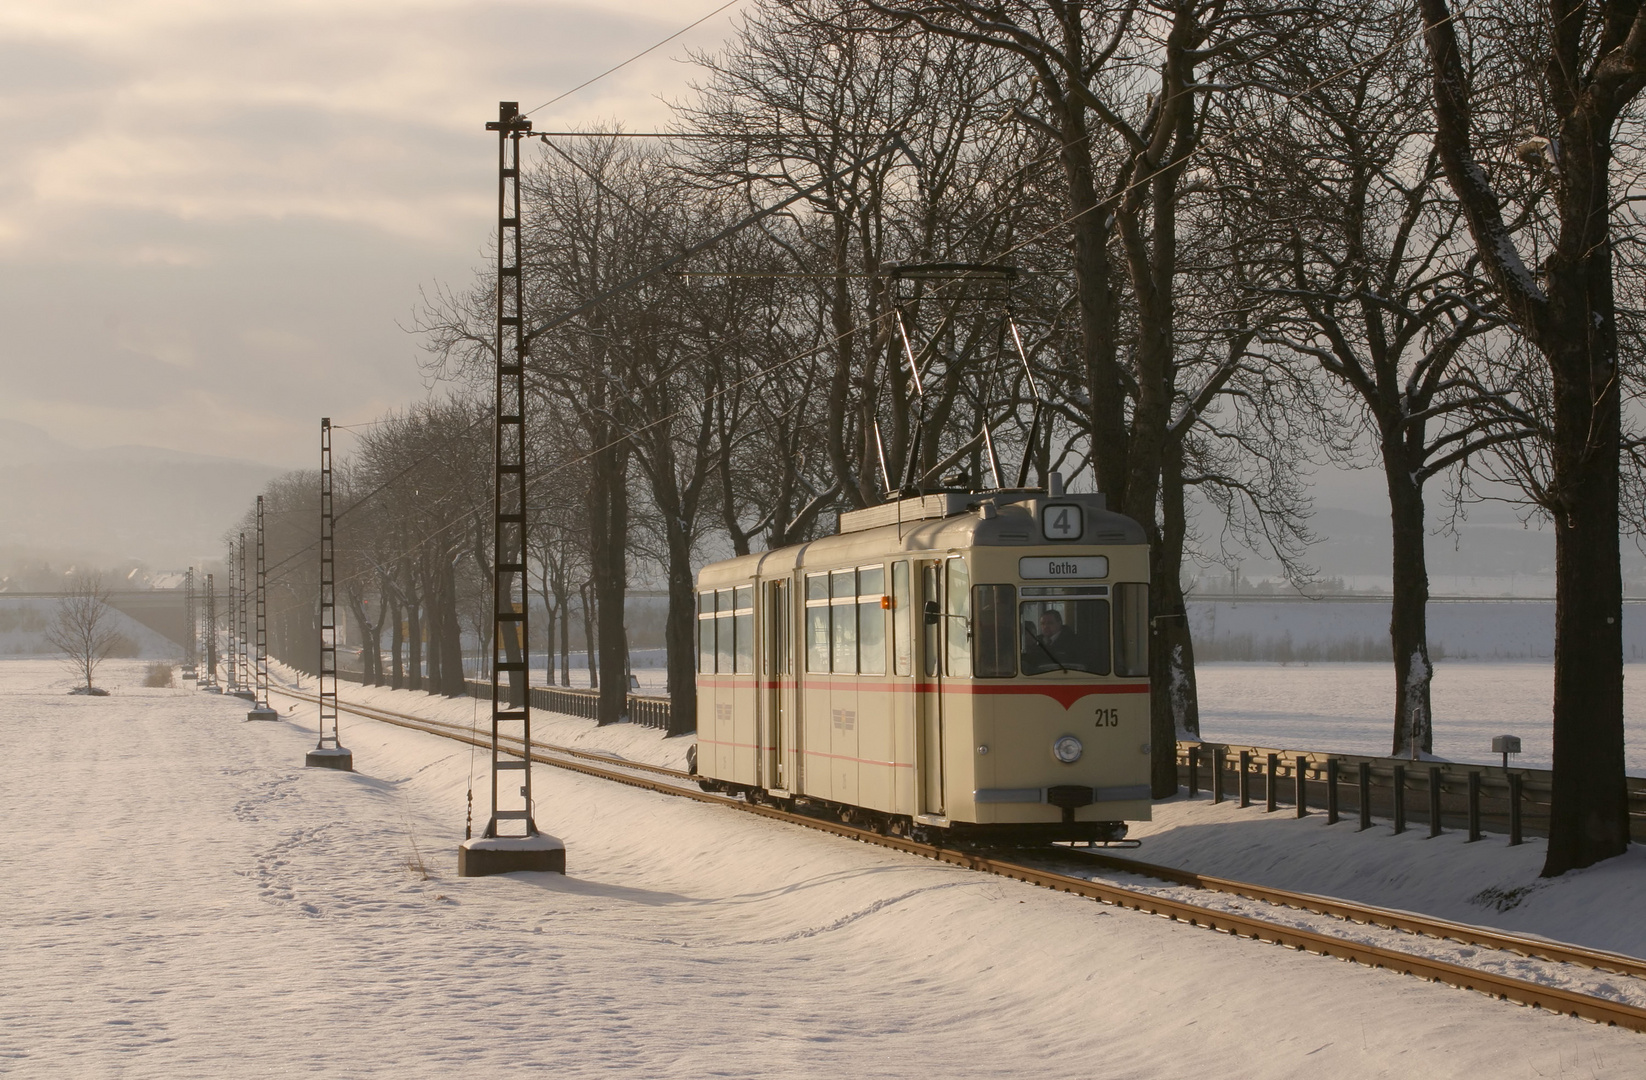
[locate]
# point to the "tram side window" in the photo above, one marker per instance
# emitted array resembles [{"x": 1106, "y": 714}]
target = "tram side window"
[
  {"x": 902, "y": 620},
  {"x": 1131, "y": 629},
  {"x": 994, "y": 608},
  {"x": 743, "y": 629},
  {"x": 817, "y": 622},
  {"x": 723, "y": 630},
  {"x": 705, "y": 631},
  {"x": 843, "y": 604},
  {"x": 871, "y": 620},
  {"x": 957, "y": 627}
]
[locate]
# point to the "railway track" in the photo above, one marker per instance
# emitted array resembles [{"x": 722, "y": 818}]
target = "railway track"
[{"x": 1556, "y": 999}]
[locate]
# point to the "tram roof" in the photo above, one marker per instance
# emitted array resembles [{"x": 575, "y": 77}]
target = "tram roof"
[{"x": 1012, "y": 524}]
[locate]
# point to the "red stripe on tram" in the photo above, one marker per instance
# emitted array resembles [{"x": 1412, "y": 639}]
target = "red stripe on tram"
[{"x": 1065, "y": 694}]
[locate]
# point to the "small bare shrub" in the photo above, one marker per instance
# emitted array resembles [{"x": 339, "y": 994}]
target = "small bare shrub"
[
  {"x": 159, "y": 674},
  {"x": 83, "y": 629}
]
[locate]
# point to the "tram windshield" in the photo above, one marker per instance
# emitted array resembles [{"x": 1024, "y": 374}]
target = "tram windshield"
[{"x": 1064, "y": 628}]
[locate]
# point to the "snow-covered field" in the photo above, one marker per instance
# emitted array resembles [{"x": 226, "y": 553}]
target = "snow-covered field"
[
  {"x": 185, "y": 899},
  {"x": 1357, "y": 628},
  {"x": 1349, "y": 708}
]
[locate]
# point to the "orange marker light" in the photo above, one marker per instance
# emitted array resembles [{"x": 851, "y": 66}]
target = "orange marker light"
[{"x": 886, "y": 603}]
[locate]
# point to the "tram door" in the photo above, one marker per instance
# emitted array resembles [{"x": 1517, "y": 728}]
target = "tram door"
[
  {"x": 777, "y": 740},
  {"x": 930, "y": 698}
]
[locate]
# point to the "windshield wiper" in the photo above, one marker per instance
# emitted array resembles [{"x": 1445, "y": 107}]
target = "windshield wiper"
[{"x": 1038, "y": 640}]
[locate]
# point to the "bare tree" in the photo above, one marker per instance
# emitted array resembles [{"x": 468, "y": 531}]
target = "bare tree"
[
  {"x": 84, "y": 629},
  {"x": 1117, "y": 89},
  {"x": 1572, "y": 72},
  {"x": 1339, "y": 194}
]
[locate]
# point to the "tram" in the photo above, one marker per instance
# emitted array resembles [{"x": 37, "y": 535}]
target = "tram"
[{"x": 954, "y": 666}]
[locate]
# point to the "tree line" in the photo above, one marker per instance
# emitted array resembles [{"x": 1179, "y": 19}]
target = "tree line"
[{"x": 1246, "y": 236}]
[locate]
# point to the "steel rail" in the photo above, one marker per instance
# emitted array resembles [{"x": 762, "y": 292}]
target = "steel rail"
[
  {"x": 1507, "y": 988},
  {"x": 423, "y": 723},
  {"x": 1390, "y": 918}
]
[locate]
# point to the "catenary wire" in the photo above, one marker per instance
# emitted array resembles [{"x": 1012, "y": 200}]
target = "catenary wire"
[{"x": 636, "y": 56}]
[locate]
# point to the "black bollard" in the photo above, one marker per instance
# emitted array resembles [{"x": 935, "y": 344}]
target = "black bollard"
[
  {"x": 1245, "y": 780},
  {"x": 1514, "y": 809},
  {"x": 1194, "y": 770},
  {"x": 1217, "y": 774},
  {"x": 1269, "y": 784},
  {"x": 1474, "y": 805},
  {"x": 1301, "y": 789},
  {"x": 1331, "y": 791},
  {"x": 1434, "y": 800},
  {"x": 1400, "y": 798},
  {"x": 1365, "y": 795}
]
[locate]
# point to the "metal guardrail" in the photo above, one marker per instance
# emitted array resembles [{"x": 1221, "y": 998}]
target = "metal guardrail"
[{"x": 1439, "y": 795}]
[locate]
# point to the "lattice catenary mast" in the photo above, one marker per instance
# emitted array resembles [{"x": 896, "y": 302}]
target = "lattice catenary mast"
[
  {"x": 191, "y": 631},
  {"x": 495, "y": 852},
  {"x": 208, "y": 682},
  {"x": 328, "y": 752},
  {"x": 231, "y": 677},
  {"x": 260, "y": 709},
  {"x": 244, "y": 642}
]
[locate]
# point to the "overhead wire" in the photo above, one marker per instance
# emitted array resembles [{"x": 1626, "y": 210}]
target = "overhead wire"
[{"x": 649, "y": 49}]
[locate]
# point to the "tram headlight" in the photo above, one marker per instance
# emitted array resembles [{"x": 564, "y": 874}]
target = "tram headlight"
[{"x": 1067, "y": 749}]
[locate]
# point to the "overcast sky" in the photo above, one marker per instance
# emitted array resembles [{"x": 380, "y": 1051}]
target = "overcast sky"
[{"x": 215, "y": 218}]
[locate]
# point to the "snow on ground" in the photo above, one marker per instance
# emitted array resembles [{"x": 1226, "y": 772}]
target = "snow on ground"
[
  {"x": 185, "y": 899},
  {"x": 1485, "y": 883},
  {"x": 1349, "y": 708}
]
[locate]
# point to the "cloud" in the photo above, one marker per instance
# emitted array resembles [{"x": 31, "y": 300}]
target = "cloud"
[{"x": 215, "y": 218}]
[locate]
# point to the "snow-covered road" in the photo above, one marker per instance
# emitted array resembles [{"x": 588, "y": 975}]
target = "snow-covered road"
[{"x": 184, "y": 899}]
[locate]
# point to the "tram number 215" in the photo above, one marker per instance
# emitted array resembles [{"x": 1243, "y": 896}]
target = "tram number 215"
[{"x": 1108, "y": 718}]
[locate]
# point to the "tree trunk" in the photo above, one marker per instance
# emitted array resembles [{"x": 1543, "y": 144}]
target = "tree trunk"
[
  {"x": 681, "y": 636},
  {"x": 397, "y": 638},
  {"x": 1569, "y": 312},
  {"x": 371, "y": 637},
  {"x": 548, "y": 641},
  {"x": 1099, "y": 312},
  {"x": 433, "y": 642},
  {"x": 1589, "y": 804},
  {"x": 452, "y": 676},
  {"x": 587, "y": 593},
  {"x": 414, "y": 646},
  {"x": 1173, "y": 674},
  {"x": 562, "y": 601},
  {"x": 1408, "y": 609},
  {"x": 609, "y": 558}
]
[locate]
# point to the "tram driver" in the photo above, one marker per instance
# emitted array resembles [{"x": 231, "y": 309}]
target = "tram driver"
[
  {"x": 1065, "y": 635},
  {"x": 1055, "y": 645}
]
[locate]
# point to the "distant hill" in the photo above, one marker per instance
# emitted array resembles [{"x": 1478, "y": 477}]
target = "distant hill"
[{"x": 119, "y": 503}]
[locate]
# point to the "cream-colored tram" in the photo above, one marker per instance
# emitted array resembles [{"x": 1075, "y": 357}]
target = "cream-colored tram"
[{"x": 953, "y": 665}]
